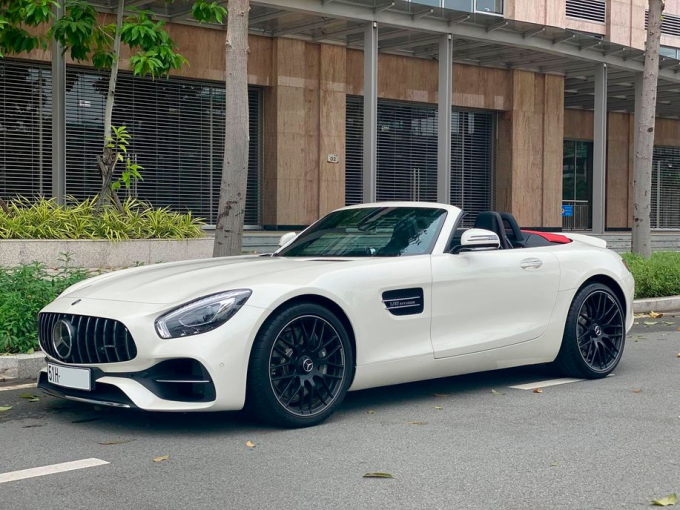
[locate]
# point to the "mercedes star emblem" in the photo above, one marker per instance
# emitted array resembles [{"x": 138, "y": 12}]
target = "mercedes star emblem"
[{"x": 62, "y": 338}]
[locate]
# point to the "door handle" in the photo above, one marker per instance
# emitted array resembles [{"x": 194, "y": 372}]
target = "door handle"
[{"x": 531, "y": 263}]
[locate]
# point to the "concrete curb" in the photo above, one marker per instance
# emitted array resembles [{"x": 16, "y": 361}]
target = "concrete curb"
[
  {"x": 664, "y": 304},
  {"x": 21, "y": 366}
]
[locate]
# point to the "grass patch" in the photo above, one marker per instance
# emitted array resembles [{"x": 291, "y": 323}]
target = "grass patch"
[
  {"x": 658, "y": 276},
  {"x": 45, "y": 219},
  {"x": 25, "y": 291}
]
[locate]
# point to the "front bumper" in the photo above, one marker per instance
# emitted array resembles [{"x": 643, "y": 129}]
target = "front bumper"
[{"x": 217, "y": 381}]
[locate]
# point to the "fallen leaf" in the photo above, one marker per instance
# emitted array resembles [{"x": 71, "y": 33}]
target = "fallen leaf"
[
  {"x": 122, "y": 441},
  {"x": 5, "y": 408},
  {"x": 638, "y": 390},
  {"x": 36, "y": 399},
  {"x": 639, "y": 315},
  {"x": 441, "y": 395},
  {"x": 378, "y": 475},
  {"x": 417, "y": 422},
  {"x": 29, "y": 396},
  {"x": 438, "y": 408},
  {"x": 678, "y": 329},
  {"x": 30, "y": 351},
  {"x": 370, "y": 412},
  {"x": 497, "y": 392},
  {"x": 538, "y": 390},
  {"x": 161, "y": 458},
  {"x": 650, "y": 323},
  {"x": 34, "y": 426},
  {"x": 678, "y": 355},
  {"x": 655, "y": 315},
  {"x": 669, "y": 500},
  {"x": 554, "y": 464},
  {"x": 668, "y": 323},
  {"x": 250, "y": 444}
]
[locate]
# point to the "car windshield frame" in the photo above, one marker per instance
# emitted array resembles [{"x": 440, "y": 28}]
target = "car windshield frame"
[{"x": 414, "y": 230}]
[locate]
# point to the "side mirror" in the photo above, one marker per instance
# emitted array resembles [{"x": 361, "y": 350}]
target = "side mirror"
[
  {"x": 286, "y": 239},
  {"x": 479, "y": 239}
]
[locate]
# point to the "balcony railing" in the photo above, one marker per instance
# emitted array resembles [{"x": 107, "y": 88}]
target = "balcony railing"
[{"x": 575, "y": 215}]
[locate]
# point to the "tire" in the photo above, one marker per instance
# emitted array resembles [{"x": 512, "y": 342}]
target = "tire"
[
  {"x": 301, "y": 367},
  {"x": 594, "y": 334}
]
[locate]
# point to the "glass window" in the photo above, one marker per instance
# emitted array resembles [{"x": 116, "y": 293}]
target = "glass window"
[
  {"x": 370, "y": 232},
  {"x": 490, "y": 6},
  {"x": 459, "y": 5},
  {"x": 432, "y": 3},
  {"x": 667, "y": 51}
]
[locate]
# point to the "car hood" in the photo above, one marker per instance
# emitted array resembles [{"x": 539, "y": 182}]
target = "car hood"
[{"x": 182, "y": 281}]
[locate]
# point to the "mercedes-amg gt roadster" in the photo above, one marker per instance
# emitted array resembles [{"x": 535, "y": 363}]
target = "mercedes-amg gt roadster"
[{"x": 369, "y": 295}]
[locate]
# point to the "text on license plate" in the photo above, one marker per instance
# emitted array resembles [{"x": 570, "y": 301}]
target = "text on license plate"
[{"x": 69, "y": 377}]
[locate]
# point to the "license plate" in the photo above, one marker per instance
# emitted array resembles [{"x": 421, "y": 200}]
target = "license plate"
[{"x": 69, "y": 377}]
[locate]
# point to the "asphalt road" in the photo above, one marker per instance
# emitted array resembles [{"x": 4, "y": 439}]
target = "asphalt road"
[{"x": 608, "y": 444}]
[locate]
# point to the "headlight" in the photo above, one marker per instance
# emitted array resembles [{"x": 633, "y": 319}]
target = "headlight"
[{"x": 202, "y": 315}]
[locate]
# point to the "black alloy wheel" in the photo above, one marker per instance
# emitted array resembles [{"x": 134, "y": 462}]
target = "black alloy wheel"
[
  {"x": 595, "y": 334},
  {"x": 307, "y": 365},
  {"x": 301, "y": 366},
  {"x": 600, "y": 331}
]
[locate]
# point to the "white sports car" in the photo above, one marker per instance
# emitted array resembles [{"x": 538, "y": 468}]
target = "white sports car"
[{"x": 370, "y": 295}]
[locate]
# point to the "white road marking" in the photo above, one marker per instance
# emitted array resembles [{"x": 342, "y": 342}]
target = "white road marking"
[
  {"x": 545, "y": 384},
  {"x": 18, "y": 386},
  {"x": 50, "y": 470}
]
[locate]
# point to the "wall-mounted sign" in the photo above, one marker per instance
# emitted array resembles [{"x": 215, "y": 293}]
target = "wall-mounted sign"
[{"x": 333, "y": 158}]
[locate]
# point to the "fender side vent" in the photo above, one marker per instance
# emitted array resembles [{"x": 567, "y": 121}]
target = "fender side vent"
[{"x": 404, "y": 301}]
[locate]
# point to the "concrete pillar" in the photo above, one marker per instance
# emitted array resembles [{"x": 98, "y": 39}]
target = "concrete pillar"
[
  {"x": 599, "y": 149},
  {"x": 58, "y": 119},
  {"x": 444, "y": 127},
  {"x": 370, "y": 112}
]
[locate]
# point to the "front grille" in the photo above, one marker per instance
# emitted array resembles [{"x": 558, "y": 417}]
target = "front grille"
[{"x": 95, "y": 340}]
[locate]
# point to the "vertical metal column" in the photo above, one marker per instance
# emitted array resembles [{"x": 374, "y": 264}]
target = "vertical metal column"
[
  {"x": 58, "y": 118},
  {"x": 600, "y": 149},
  {"x": 444, "y": 116},
  {"x": 370, "y": 112}
]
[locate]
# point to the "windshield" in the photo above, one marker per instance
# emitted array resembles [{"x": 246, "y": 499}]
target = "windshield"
[{"x": 370, "y": 232}]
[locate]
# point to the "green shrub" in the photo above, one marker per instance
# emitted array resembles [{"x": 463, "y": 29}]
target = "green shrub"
[
  {"x": 655, "y": 277},
  {"x": 25, "y": 291},
  {"x": 45, "y": 219}
]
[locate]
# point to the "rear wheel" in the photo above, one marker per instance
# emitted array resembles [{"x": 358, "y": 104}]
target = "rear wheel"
[
  {"x": 594, "y": 335},
  {"x": 300, "y": 367}
]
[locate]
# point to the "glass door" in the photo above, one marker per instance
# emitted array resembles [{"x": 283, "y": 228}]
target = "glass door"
[{"x": 577, "y": 189}]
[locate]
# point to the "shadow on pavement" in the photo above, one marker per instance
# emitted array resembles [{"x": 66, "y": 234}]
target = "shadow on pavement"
[{"x": 76, "y": 415}]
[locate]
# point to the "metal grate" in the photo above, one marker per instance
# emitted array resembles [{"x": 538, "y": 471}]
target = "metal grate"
[
  {"x": 96, "y": 340},
  {"x": 472, "y": 156},
  {"x": 354, "y": 147},
  {"x": 590, "y": 10},
  {"x": 177, "y": 129},
  {"x": 407, "y": 154},
  {"x": 666, "y": 188},
  {"x": 25, "y": 129},
  {"x": 670, "y": 24}
]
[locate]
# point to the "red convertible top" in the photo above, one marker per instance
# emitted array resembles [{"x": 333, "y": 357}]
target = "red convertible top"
[{"x": 553, "y": 238}]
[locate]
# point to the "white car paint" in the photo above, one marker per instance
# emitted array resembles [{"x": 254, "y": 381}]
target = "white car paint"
[{"x": 483, "y": 310}]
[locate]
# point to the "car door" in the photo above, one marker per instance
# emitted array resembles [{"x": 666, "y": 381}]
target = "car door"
[{"x": 489, "y": 299}]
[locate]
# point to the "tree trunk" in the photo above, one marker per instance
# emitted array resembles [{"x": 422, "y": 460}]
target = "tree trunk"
[
  {"x": 644, "y": 148},
  {"x": 107, "y": 161},
  {"x": 230, "y": 214}
]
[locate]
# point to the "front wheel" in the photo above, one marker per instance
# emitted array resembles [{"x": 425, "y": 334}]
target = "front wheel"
[
  {"x": 300, "y": 367},
  {"x": 594, "y": 335}
]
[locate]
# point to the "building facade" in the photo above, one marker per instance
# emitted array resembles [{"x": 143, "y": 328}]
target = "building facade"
[{"x": 517, "y": 105}]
